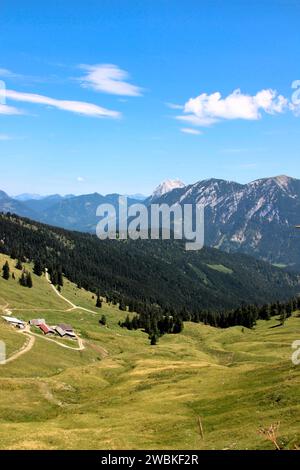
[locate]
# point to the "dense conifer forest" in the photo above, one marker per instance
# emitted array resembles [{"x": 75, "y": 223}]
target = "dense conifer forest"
[{"x": 160, "y": 281}]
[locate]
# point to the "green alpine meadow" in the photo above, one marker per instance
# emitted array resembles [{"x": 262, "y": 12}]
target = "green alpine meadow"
[{"x": 149, "y": 233}]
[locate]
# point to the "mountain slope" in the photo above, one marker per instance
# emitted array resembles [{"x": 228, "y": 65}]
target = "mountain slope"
[
  {"x": 73, "y": 212},
  {"x": 149, "y": 271},
  {"x": 28, "y": 197},
  {"x": 8, "y": 204},
  {"x": 258, "y": 218},
  {"x": 39, "y": 205},
  {"x": 54, "y": 398}
]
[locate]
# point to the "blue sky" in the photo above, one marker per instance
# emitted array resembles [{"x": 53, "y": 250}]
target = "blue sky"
[{"x": 161, "y": 78}]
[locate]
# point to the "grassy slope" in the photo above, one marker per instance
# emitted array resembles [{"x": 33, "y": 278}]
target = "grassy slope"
[{"x": 140, "y": 396}]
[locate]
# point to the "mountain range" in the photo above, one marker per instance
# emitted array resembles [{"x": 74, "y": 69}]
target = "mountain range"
[
  {"x": 257, "y": 218},
  {"x": 153, "y": 271}
]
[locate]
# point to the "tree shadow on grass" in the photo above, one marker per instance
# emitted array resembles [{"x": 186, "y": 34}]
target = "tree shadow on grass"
[{"x": 276, "y": 326}]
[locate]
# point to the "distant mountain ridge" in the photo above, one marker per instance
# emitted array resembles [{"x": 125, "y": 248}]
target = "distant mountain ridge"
[
  {"x": 27, "y": 197},
  {"x": 257, "y": 218},
  {"x": 153, "y": 271},
  {"x": 77, "y": 212},
  {"x": 8, "y": 204}
]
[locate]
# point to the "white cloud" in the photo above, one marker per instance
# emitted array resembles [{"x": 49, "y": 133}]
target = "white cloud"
[
  {"x": 80, "y": 179},
  {"x": 79, "y": 107},
  {"x": 188, "y": 130},
  {"x": 9, "y": 110},
  {"x": 205, "y": 110},
  {"x": 197, "y": 121},
  {"x": 8, "y": 73},
  {"x": 295, "y": 109},
  {"x": 108, "y": 78},
  {"x": 295, "y": 100},
  {"x": 174, "y": 106}
]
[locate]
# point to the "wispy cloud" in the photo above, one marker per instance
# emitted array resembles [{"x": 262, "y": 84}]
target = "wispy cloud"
[
  {"x": 10, "y": 110},
  {"x": 5, "y": 73},
  {"x": 205, "y": 110},
  {"x": 108, "y": 78},
  {"x": 189, "y": 130},
  {"x": 295, "y": 100},
  {"x": 80, "y": 179},
  {"x": 174, "y": 106},
  {"x": 79, "y": 107}
]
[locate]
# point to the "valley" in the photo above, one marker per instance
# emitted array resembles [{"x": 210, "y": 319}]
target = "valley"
[
  {"x": 147, "y": 273},
  {"x": 149, "y": 232},
  {"x": 130, "y": 395},
  {"x": 258, "y": 218}
]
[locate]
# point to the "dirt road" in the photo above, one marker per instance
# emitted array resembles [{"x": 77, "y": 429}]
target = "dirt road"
[
  {"x": 24, "y": 349},
  {"x": 65, "y": 299}
]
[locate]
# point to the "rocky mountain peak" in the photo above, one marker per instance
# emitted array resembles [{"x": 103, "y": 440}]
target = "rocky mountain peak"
[{"x": 167, "y": 186}]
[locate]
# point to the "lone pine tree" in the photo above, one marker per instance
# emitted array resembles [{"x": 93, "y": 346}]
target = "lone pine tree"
[
  {"x": 5, "y": 271},
  {"x": 23, "y": 280},
  {"x": 29, "y": 281},
  {"x": 98, "y": 302}
]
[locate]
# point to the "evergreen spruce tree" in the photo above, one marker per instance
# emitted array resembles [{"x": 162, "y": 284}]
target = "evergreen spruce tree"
[
  {"x": 122, "y": 306},
  {"x": 274, "y": 310},
  {"x": 265, "y": 313},
  {"x": 38, "y": 269},
  {"x": 54, "y": 278},
  {"x": 13, "y": 254},
  {"x": 178, "y": 325},
  {"x": 5, "y": 271},
  {"x": 289, "y": 309},
  {"x": 127, "y": 323},
  {"x": 60, "y": 280},
  {"x": 102, "y": 320},
  {"x": 282, "y": 318},
  {"x": 153, "y": 340},
  {"x": 23, "y": 280},
  {"x": 135, "y": 322},
  {"x": 19, "y": 265},
  {"x": 29, "y": 281},
  {"x": 98, "y": 302}
]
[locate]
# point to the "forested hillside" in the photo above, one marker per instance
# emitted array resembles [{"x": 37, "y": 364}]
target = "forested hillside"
[{"x": 151, "y": 272}]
